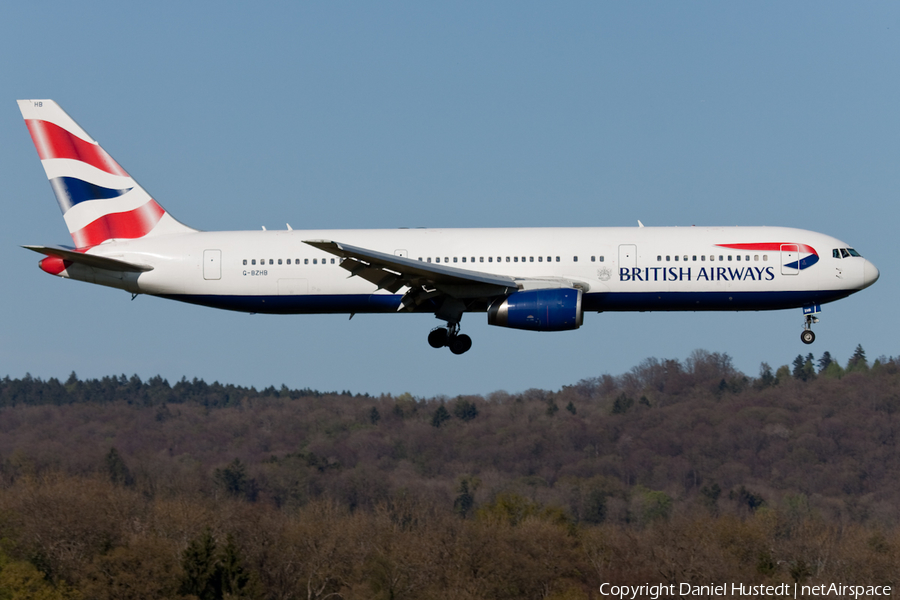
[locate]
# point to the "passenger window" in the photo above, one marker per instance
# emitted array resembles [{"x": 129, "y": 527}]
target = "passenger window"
[
  {"x": 658, "y": 258},
  {"x": 454, "y": 259},
  {"x": 515, "y": 259},
  {"x": 480, "y": 259},
  {"x": 702, "y": 257},
  {"x": 756, "y": 257},
  {"x": 446, "y": 260},
  {"x": 540, "y": 259},
  {"x": 245, "y": 261},
  {"x": 305, "y": 261},
  {"x": 464, "y": 259},
  {"x": 437, "y": 259},
  {"x": 557, "y": 259},
  {"x": 271, "y": 261},
  {"x": 296, "y": 261},
  {"x": 279, "y": 261},
  {"x": 428, "y": 259},
  {"x": 490, "y": 259},
  {"x": 473, "y": 259},
  {"x": 253, "y": 262},
  {"x": 765, "y": 257},
  {"x": 685, "y": 257},
  {"x": 332, "y": 261},
  {"x": 668, "y": 257},
  {"x": 601, "y": 259},
  {"x": 694, "y": 258},
  {"x": 729, "y": 257},
  {"x": 315, "y": 261},
  {"x": 530, "y": 259},
  {"x": 507, "y": 259},
  {"x": 721, "y": 258},
  {"x": 574, "y": 259},
  {"x": 676, "y": 258},
  {"x": 738, "y": 258}
]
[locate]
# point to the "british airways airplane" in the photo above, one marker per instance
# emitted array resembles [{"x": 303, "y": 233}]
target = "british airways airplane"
[{"x": 538, "y": 279}]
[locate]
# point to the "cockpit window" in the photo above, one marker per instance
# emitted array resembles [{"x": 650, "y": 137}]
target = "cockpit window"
[
  {"x": 853, "y": 252},
  {"x": 844, "y": 253},
  {"x": 835, "y": 253}
]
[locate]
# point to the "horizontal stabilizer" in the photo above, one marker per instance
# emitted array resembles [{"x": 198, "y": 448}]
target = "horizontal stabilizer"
[{"x": 90, "y": 260}]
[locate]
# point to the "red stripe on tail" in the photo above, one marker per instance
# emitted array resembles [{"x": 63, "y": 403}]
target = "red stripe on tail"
[
  {"x": 52, "y": 141},
  {"x": 124, "y": 225}
]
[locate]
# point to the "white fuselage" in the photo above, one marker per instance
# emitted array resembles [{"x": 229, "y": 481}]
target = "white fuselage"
[{"x": 640, "y": 268}]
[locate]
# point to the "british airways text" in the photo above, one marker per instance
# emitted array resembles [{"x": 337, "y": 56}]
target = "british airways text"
[{"x": 705, "y": 274}]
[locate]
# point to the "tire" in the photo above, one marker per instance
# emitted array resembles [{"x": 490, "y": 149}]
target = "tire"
[
  {"x": 807, "y": 336},
  {"x": 438, "y": 338},
  {"x": 460, "y": 344}
]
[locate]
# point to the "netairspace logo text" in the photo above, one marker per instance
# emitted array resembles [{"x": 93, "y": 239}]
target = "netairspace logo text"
[{"x": 784, "y": 590}]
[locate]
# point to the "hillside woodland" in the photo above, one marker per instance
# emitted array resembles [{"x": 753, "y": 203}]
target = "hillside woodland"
[{"x": 675, "y": 472}]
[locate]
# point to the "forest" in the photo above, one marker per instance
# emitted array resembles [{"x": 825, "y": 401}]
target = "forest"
[{"x": 674, "y": 472}]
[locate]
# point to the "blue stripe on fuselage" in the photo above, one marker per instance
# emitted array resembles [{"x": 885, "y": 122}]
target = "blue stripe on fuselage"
[{"x": 597, "y": 302}]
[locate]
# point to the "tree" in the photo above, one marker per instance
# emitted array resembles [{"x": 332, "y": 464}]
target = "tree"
[
  {"x": 825, "y": 361},
  {"x": 117, "y": 470},
  {"x": 440, "y": 416},
  {"x": 571, "y": 408},
  {"x": 374, "y": 416},
  {"x": 202, "y": 576},
  {"x": 465, "y": 409},
  {"x": 233, "y": 479},
  {"x": 803, "y": 368},
  {"x": 858, "y": 361},
  {"x": 766, "y": 377}
]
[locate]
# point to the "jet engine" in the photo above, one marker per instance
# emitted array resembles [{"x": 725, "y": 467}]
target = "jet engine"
[{"x": 556, "y": 309}]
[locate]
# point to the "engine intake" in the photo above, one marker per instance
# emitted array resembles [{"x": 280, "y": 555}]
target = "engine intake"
[{"x": 556, "y": 309}]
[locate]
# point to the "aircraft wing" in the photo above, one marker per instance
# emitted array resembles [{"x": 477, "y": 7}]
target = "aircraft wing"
[
  {"x": 89, "y": 260},
  {"x": 430, "y": 280},
  {"x": 391, "y": 272}
]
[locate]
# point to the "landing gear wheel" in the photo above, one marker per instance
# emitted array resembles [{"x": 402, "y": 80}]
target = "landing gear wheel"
[
  {"x": 438, "y": 337},
  {"x": 807, "y": 336},
  {"x": 460, "y": 344}
]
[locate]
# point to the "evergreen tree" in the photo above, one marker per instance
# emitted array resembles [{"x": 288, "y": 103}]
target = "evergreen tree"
[
  {"x": 441, "y": 415},
  {"x": 202, "y": 573},
  {"x": 825, "y": 361},
  {"x": 117, "y": 470},
  {"x": 465, "y": 409},
  {"x": 858, "y": 361},
  {"x": 571, "y": 407},
  {"x": 374, "y": 416}
]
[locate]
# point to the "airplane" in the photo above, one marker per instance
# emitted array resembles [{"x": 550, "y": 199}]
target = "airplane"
[{"x": 537, "y": 279}]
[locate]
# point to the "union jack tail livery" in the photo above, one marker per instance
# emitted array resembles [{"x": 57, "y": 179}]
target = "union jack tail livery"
[{"x": 98, "y": 199}]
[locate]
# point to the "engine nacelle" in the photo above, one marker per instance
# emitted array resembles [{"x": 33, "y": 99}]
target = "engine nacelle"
[{"x": 556, "y": 309}]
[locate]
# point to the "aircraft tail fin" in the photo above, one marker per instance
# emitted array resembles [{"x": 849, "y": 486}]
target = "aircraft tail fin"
[{"x": 99, "y": 200}]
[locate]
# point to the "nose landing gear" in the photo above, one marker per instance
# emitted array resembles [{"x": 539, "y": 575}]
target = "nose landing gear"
[
  {"x": 807, "y": 336},
  {"x": 450, "y": 337}
]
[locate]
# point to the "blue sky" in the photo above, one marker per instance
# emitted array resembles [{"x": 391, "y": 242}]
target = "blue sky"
[{"x": 383, "y": 115}]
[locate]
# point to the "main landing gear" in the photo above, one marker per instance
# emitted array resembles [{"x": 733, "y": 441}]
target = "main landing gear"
[
  {"x": 807, "y": 336},
  {"x": 450, "y": 337}
]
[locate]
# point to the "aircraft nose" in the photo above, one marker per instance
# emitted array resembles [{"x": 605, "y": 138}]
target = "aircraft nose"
[{"x": 870, "y": 274}]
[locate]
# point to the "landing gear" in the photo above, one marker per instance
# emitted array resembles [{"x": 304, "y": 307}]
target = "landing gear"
[
  {"x": 807, "y": 336},
  {"x": 450, "y": 337},
  {"x": 438, "y": 337}
]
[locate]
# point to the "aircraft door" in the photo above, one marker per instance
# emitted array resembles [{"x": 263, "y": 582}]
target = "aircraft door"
[
  {"x": 790, "y": 259},
  {"x": 212, "y": 264},
  {"x": 627, "y": 256}
]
